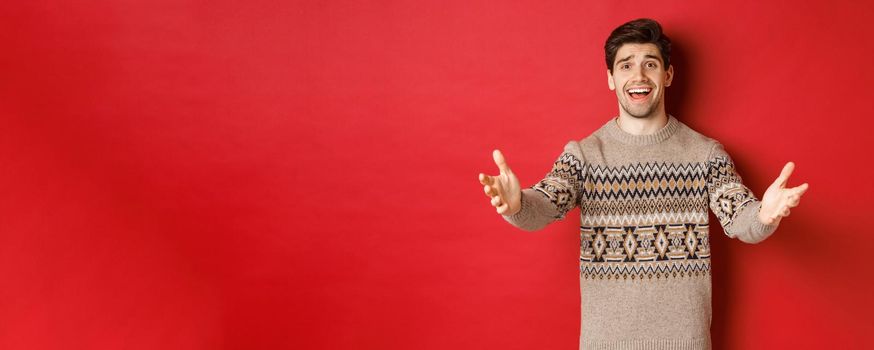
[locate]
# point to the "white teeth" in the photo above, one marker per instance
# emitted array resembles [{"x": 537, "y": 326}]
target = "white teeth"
[{"x": 638, "y": 91}]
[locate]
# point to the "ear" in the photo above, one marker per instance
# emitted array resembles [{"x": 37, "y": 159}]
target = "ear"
[
  {"x": 669, "y": 75},
  {"x": 610, "y": 81}
]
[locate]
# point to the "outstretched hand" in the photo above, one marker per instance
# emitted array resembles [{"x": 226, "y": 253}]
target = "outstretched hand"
[
  {"x": 503, "y": 189},
  {"x": 778, "y": 199}
]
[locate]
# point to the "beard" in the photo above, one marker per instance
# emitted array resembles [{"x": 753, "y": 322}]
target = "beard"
[{"x": 639, "y": 111}]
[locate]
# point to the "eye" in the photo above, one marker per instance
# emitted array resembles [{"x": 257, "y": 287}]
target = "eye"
[
  {"x": 624, "y": 66},
  {"x": 651, "y": 65}
]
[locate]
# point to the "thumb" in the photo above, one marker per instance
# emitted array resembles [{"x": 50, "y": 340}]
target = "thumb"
[
  {"x": 784, "y": 175},
  {"x": 500, "y": 161}
]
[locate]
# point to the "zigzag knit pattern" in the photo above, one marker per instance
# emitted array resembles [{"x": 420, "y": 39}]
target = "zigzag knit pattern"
[
  {"x": 727, "y": 193},
  {"x": 562, "y": 182},
  {"x": 645, "y": 248},
  {"x": 649, "y": 195}
]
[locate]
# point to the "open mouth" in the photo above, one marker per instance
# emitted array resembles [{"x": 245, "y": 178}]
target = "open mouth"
[{"x": 639, "y": 93}]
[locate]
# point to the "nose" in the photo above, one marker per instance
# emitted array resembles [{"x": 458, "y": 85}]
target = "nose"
[{"x": 637, "y": 74}]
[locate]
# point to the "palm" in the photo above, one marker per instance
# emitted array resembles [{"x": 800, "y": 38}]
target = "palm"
[
  {"x": 778, "y": 199},
  {"x": 503, "y": 189}
]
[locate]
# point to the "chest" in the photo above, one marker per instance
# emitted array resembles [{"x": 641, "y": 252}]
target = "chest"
[{"x": 644, "y": 194}]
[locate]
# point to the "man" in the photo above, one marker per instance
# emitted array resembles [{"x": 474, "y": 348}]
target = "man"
[{"x": 643, "y": 182}]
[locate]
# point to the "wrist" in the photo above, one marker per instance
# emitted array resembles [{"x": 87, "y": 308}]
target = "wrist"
[
  {"x": 766, "y": 219},
  {"x": 515, "y": 209}
]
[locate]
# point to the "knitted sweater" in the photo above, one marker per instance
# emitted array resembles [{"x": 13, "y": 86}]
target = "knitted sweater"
[{"x": 644, "y": 232}]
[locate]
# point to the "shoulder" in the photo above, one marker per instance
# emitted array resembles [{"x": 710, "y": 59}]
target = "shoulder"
[
  {"x": 595, "y": 141},
  {"x": 574, "y": 148},
  {"x": 694, "y": 141},
  {"x": 688, "y": 135},
  {"x": 588, "y": 144}
]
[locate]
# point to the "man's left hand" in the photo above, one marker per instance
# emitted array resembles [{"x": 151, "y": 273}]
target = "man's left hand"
[{"x": 778, "y": 199}]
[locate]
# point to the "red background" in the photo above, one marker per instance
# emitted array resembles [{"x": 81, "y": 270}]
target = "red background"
[{"x": 263, "y": 175}]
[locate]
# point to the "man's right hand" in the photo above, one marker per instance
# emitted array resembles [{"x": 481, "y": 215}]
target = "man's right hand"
[{"x": 503, "y": 189}]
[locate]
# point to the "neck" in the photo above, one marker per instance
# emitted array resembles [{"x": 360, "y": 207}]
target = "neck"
[{"x": 642, "y": 126}]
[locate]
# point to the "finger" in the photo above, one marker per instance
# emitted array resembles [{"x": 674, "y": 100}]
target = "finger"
[
  {"x": 785, "y": 212},
  {"x": 489, "y": 191},
  {"x": 485, "y": 179},
  {"x": 502, "y": 208},
  {"x": 798, "y": 191},
  {"x": 496, "y": 201},
  {"x": 784, "y": 175},
  {"x": 500, "y": 161},
  {"x": 793, "y": 199}
]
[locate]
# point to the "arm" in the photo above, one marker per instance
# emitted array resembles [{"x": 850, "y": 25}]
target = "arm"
[
  {"x": 739, "y": 212},
  {"x": 551, "y": 198}
]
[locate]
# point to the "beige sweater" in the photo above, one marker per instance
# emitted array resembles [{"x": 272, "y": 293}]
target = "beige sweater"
[{"x": 644, "y": 233}]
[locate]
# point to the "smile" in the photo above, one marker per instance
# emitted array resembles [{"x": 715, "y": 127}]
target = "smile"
[{"x": 639, "y": 93}]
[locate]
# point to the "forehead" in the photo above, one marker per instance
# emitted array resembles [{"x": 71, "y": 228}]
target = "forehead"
[{"x": 637, "y": 52}]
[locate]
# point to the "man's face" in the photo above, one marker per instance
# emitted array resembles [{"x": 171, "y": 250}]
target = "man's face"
[{"x": 639, "y": 79}]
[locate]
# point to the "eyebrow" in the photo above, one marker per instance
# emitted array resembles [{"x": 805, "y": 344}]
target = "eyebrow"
[{"x": 645, "y": 56}]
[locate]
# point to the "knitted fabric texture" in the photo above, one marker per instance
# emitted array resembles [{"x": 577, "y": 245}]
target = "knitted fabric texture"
[{"x": 645, "y": 279}]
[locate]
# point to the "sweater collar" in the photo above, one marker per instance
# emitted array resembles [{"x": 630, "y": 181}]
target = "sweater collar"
[{"x": 664, "y": 133}]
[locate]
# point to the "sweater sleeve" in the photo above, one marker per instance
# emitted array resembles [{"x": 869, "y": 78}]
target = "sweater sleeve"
[
  {"x": 556, "y": 194},
  {"x": 735, "y": 206}
]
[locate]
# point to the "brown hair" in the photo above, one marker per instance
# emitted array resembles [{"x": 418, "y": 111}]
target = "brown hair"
[{"x": 638, "y": 31}]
